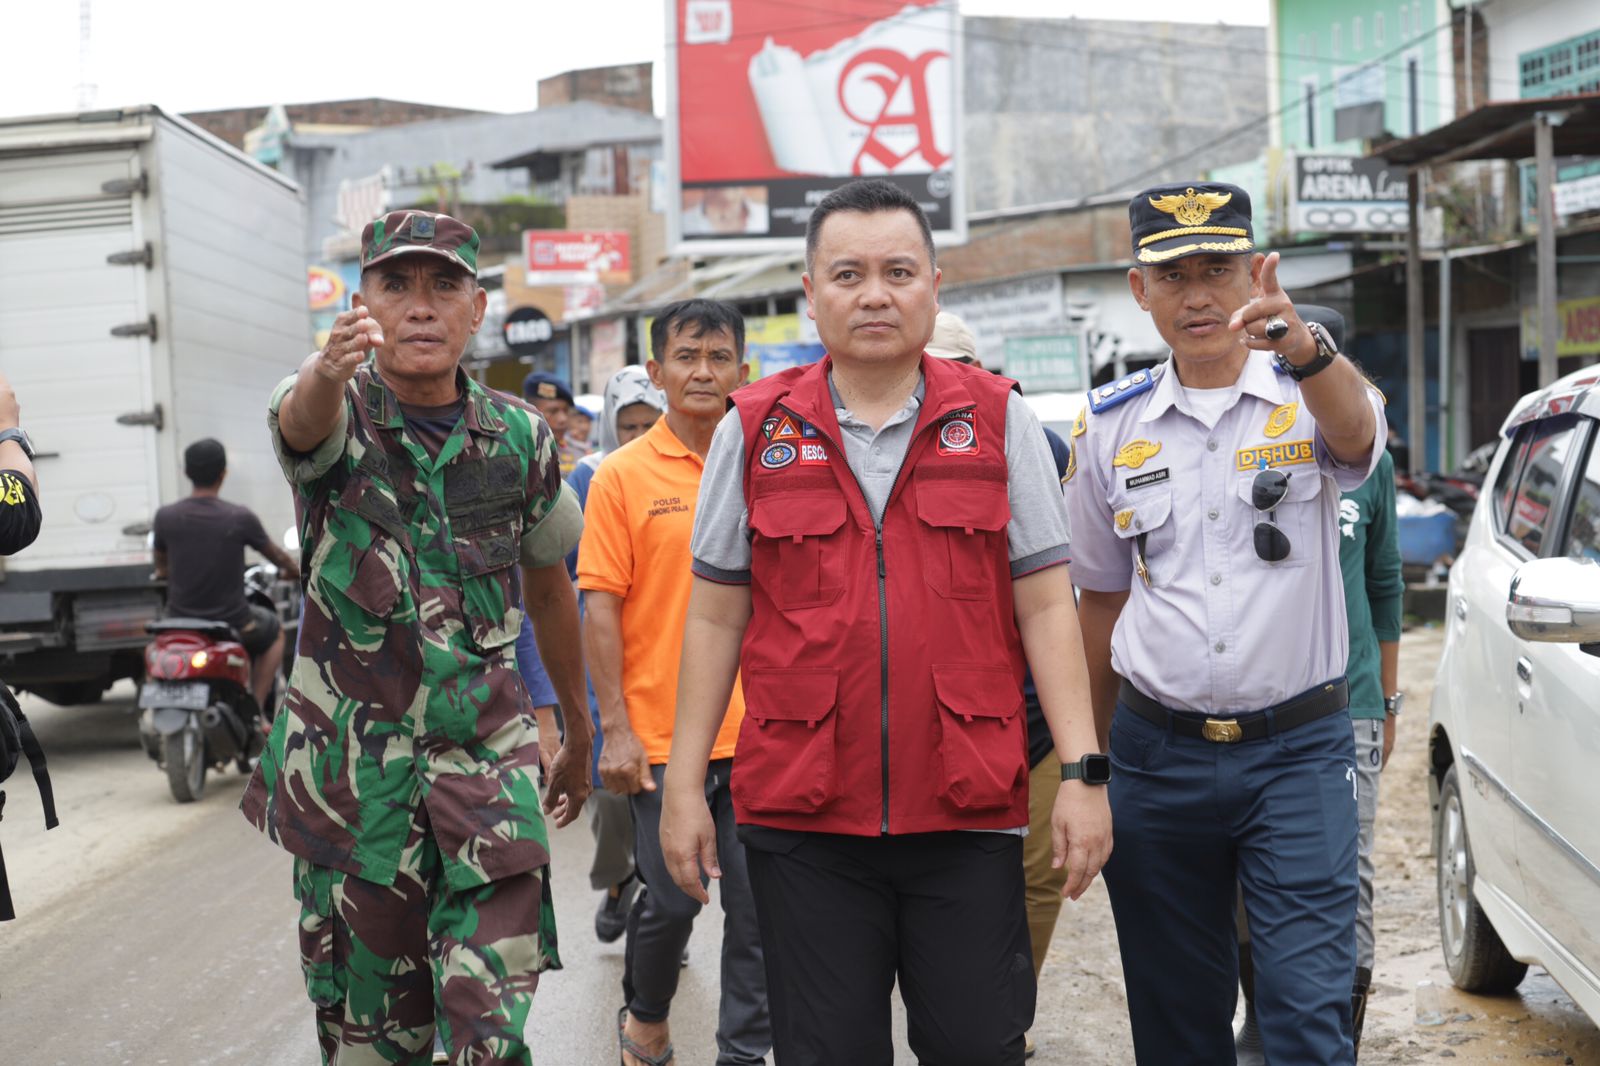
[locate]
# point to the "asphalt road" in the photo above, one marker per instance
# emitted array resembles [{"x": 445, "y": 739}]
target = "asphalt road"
[{"x": 154, "y": 933}]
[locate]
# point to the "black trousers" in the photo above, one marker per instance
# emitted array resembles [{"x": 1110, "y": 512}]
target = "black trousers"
[{"x": 842, "y": 917}]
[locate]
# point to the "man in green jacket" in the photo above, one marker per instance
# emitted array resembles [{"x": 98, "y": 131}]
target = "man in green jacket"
[{"x": 1369, "y": 556}]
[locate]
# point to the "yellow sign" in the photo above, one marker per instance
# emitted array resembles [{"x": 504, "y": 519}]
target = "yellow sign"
[
  {"x": 1192, "y": 208},
  {"x": 1579, "y": 323},
  {"x": 1288, "y": 453},
  {"x": 1279, "y": 421},
  {"x": 1134, "y": 453},
  {"x": 1123, "y": 518}
]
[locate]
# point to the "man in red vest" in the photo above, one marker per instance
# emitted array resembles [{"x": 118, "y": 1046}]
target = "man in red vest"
[{"x": 878, "y": 547}]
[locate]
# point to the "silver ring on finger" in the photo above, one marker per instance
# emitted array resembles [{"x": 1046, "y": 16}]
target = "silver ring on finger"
[{"x": 1277, "y": 328}]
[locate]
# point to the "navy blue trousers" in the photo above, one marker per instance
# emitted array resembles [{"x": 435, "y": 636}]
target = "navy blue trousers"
[{"x": 1192, "y": 820}]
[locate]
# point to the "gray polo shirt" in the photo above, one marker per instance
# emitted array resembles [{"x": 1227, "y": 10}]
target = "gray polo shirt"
[{"x": 1038, "y": 533}]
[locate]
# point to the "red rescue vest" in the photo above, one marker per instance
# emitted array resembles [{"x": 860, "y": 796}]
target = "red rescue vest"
[{"x": 882, "y": 665}]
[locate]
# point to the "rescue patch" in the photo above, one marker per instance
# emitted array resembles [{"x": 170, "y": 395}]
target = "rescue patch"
[
  {"x": 779, "y": 455},
  {"x": 1134, "y": 453},
  {"x": 1154, "y": 477},
  {"x": 809, "y": 431},
  {"x": 768, "y": 425},
  {"x": 786, "y": 429},
  {"x": 1279, "y": 421},
  {"x": 1123, "y": 518},
  {"x": 813, "y": 454},
  {"x": 1288, "y": 453},
  {"x": 958, "y": 435}
]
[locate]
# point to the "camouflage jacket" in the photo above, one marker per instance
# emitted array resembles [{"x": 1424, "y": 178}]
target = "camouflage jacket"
[{"x": 405, "y": 687}]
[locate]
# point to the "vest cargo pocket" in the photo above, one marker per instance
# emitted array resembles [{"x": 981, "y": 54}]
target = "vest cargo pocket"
[
  {"x": 798, "y": 529},
  {"x": 969, "y": 520},
  {"x": 982, "y": 744},
  {"x": 785, "y": 758}
]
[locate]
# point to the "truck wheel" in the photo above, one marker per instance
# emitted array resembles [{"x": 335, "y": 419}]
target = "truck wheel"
[
  {"x": 1473, "y": 952},
  {"x": 184, "y": 755}
]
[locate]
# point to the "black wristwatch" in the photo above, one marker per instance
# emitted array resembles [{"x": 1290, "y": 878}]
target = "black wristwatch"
[
  {"x": 16, "y": 434},
  {"x": 1092, "y": 769},
  {"x": 1326, "y": 352}
]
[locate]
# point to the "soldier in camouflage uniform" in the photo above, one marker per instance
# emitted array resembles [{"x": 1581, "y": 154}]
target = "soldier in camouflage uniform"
[{"x": 401, "y": 770}]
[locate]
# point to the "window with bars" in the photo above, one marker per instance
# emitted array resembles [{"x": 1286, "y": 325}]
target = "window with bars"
[{"x": 1561, "y": 69}]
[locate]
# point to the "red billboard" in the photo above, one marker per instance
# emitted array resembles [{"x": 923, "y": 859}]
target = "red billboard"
[
  {"x": 774, "y": 104},
  {"x": 576, "y": 257}
]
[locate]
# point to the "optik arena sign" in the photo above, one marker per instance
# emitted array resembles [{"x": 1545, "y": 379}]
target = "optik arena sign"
[{"x": 1347, "y": 194}]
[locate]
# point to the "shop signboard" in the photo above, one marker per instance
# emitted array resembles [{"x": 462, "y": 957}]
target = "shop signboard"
[
  {"x": 1025, "y": 307},
  {"x": 575, "y": 257},
  {"x": 777, "y": 342},
  {"x": 1051, "y": 363},
  {"x": 771, "y": 106},
  {"x": 527, "y": 331},
  {"x": 1579, "y": 321},
  {"x": 1347, "y": 194}
]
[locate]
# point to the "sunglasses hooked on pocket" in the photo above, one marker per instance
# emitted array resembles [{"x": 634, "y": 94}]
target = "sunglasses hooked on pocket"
[{"x": 1266, "y": 492}]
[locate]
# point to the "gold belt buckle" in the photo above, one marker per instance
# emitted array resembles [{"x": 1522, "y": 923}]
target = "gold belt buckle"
[{"x": 1222, "y": 731}]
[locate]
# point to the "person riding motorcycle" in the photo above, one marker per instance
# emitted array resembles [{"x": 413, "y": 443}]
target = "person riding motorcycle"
[{"x": 199, "y": 549}]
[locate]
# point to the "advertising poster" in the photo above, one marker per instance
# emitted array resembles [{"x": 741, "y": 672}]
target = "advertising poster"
[
  {"x": 774, "y": 105},
  {"x": 775, "y": 343},
  {"x": 576, "y": 257},
  {"x": 1347, "y": 194},
  {"x": 328, "y": 291}
]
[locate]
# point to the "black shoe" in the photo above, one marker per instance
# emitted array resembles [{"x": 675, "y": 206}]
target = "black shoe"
[{"x": 611, "y": 919}]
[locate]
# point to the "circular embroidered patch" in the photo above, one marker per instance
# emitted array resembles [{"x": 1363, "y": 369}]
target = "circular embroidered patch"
[
  {"x": 957, "y": 435},
  {"x": 778, "y": 456}
]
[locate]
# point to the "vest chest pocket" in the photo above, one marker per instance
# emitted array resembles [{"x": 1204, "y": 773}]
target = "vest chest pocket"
[
  {"x": 785, "y": 758},
  {"x": 484, "y": 503},
  {"x": 982, "y": 745},
  {"x": 797, "y": 547},
  {"x": 1298, "y": 514},
  {"x": 967, "y": 521},
  {"x": 1148, "y": 513}
]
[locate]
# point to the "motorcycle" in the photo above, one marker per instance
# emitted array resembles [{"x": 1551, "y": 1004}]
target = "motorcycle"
[{"x": 197, "y": 707}]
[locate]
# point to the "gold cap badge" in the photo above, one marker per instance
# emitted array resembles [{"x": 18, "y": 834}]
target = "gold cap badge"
[
  {"x": 1133, "y": 454},
  {"x": 1192, "y": 208}
]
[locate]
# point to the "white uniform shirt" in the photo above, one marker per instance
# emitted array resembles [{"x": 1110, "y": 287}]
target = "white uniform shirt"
[{"x": 1216, "y": 629}]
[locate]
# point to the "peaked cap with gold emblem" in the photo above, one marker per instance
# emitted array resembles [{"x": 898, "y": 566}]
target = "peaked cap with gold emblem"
[{"x": 1202, "y": 218}]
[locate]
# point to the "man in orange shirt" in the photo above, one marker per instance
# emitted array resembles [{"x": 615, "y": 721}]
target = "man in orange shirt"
[{"x": 633, "y": 567}]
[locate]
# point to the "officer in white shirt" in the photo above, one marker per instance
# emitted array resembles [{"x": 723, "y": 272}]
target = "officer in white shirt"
[{"x": 1204, "y": 497}]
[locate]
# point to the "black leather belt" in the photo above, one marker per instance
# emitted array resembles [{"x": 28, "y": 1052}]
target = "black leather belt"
[{"x": 1310, "y": 705}]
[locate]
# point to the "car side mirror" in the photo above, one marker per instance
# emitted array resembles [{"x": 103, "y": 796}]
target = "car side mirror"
[{"x": 1557, "y": 601}]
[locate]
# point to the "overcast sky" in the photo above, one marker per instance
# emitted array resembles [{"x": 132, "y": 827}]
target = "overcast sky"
[{"x": 196, "y": 55}]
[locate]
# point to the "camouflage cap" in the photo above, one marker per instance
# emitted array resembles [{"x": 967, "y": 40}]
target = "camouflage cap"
[{"x": 411, "y": 231}]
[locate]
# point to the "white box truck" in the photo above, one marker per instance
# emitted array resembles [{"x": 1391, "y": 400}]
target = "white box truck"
[{"x": 152, "y": 292}]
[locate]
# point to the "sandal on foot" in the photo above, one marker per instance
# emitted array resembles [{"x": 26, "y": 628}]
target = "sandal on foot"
[{"x": 628, "y": 1046}]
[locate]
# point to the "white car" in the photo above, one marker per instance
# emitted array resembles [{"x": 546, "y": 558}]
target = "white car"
[
  {"x": 1057, "y": 410},
  {"x": 1514, "y": 730}
]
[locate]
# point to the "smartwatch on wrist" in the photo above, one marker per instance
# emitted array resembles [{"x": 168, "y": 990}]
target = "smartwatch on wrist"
[
  {"x": 1391, "y": 704},
  {"x": 16, "y": 434},
  {"x": 1092, "y": 769},
  {"x": 1327, "y": 351}
]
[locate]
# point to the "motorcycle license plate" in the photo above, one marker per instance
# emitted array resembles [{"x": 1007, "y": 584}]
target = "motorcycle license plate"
[{"x": 188, "y": 697}]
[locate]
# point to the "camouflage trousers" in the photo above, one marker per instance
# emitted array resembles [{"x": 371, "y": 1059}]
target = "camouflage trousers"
[{"x": 385, "y": 963}]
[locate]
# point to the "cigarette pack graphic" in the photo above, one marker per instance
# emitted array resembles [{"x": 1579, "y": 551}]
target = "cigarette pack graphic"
[{"x": 881, "y": 102}]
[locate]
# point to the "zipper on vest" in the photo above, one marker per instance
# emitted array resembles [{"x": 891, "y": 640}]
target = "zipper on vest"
[{"x": 883, "y": 663}]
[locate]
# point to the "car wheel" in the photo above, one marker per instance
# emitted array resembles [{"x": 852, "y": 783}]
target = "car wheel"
[{"x": 1473, "y": 952}]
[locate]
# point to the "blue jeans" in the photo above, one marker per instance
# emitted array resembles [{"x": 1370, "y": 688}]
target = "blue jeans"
[{"x": 1193, "y": 819}]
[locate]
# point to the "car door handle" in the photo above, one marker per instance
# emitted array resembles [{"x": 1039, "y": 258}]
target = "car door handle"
[
  {"x": 1525, "y": 669},
  {"x": 1461, "y": 608}
]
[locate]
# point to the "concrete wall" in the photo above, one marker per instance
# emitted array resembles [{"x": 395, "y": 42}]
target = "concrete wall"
[{"x": 1063, "y": 108}]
